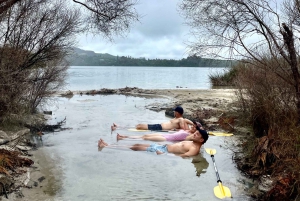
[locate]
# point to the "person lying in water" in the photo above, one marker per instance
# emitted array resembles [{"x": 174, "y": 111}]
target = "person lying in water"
[
  {"x": 183, "y": 149},
  {"x": 180, "y": 135},
  {"x": 174, "y": 124}
]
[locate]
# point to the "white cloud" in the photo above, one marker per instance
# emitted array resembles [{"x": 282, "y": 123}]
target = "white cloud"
[{"x": 159, "y": 34}]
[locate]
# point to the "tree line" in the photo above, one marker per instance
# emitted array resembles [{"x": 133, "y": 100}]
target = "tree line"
[{"x": 89, "y": 58}]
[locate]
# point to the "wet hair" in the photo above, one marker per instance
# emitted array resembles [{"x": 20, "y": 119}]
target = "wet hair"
[{"x": 203, "y": 133}]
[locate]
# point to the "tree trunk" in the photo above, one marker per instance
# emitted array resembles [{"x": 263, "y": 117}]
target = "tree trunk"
[{"x": 288, "y": 38}]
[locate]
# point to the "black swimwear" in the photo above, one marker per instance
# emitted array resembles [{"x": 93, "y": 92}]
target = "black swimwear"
[{"x": 154, "y": 127}]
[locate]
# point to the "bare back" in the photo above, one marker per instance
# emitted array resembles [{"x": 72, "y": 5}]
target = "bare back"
[{"x": 177, "y": 123}]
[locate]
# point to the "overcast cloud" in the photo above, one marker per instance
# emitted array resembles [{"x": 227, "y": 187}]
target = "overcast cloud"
[{"x": 159, "y": 34}]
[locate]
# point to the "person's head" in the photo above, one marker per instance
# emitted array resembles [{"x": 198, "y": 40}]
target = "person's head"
[
  {"x": 200, "y": 135},
  {"x": 178, "y": 111},
  {"x": 193, "y": 127},
  {"x": 199, "y": 125}
]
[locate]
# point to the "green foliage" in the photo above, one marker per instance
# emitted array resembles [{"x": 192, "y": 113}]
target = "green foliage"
[
  {"x": 227, "y": 78},
  {"x": 89, "y": 58}
]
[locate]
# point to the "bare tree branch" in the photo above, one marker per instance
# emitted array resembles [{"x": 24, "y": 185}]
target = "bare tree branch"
[{"x": 252, "y": 29}]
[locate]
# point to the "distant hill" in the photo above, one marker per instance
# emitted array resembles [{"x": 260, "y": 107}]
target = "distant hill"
[{"x": 90, "y": 58}]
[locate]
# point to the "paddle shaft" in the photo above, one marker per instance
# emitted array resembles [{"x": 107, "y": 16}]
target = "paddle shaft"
[
  {"x": 218, "y": 176},
  {"x": 220, "y": 190},
  {"x": 216, "y": 170}
]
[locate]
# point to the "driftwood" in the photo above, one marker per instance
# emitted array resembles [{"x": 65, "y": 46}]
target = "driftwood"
[{"x": 46, "y": 127}]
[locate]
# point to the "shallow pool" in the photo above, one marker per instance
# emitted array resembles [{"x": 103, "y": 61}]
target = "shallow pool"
[{"x": 116, "y": 174}]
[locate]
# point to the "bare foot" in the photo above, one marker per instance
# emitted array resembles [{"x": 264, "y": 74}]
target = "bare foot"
[
  {"x": 114, "y": 127},
  {"x": 101, "y": 143},
  {"x": 120, "y": 137}
]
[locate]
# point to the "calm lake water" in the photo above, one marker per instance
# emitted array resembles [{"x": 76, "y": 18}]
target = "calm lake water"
[
  {"x": 96, "y": 77},
  {"x": 116, "y": 174}
]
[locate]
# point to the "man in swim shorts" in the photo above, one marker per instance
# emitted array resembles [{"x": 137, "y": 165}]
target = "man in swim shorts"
[
  {"x": 174, "y": 124},
  {"x": 183, "y": 149},
  {"x": 158, "y": 148},
  {"x": 177, "y": 123},
  {"x": 176, "y": 136}
]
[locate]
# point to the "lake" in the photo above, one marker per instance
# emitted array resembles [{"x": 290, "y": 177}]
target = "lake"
[
  {"x": 96, "y": 77},
  {"x": 117, "y": 174}
]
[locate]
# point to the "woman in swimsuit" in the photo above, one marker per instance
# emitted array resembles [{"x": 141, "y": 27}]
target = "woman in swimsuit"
[{"x": 177, "y": 136}]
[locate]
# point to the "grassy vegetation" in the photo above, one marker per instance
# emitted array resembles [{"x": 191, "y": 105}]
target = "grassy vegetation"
[
  {"x": 226, "y": 78},
  {"x": 268, "y": 105}
]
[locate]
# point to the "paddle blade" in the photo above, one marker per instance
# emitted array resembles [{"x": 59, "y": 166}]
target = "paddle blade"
[
  {"x": 222, "y": 191},
  {"x": 210, "y": 151},
  {"x": 220, "y": 134}
]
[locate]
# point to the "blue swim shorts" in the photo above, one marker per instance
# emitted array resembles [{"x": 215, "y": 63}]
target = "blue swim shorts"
[
  {"x": 157, "y": 147},
  {"x": 154, "y": 127}
]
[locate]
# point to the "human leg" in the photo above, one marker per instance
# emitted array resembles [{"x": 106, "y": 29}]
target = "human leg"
[
  {"x": 121, "y": 137},
  {"x": 151, "y": 137},
  {"x": 154, "y": 127},
  {"x": 102, "y": 144},
  {"x": 162, "y": 149},
  {"x": 157, "y": 138},
  {"x": 115, "y": 126},
  {"x": 142, "y": 126},
  {"x": 139, "y": 147},
  {"x": 159, "y": 149}
]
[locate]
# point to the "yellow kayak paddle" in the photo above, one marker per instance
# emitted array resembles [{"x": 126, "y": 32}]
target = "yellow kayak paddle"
[
  {"x": 220, "y": 191},
  {"x": 219, "y": 134}
]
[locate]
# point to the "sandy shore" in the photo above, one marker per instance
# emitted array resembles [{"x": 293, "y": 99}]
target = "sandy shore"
[
  {"x": 193, "y": 99},
  {"x": 190, "y": 99}
]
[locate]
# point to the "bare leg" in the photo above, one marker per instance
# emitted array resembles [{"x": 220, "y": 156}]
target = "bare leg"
[
  {"x": 152, "y": 137},
  {"x": 135, "y": 147},
  {"x": 115, "y": 126},
  {"x": 121, "y": 137},
  {"x": 142, "y": 126},
  {"x": 139, "y": 147},
  {"x": 156, "y": 138},
  {"x": 102, "y": 144}
]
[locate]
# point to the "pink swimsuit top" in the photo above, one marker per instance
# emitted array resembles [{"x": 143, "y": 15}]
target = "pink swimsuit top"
[{"x": 178, "y": 136}]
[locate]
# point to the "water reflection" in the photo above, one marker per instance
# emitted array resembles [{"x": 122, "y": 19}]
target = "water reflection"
[{"x": 200, "y": 163}]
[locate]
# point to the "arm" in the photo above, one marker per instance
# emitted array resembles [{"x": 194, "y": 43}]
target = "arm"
[
  {"x": 189, "y": 137},
  {"x": 192, "y": 152},
  {"x": 189, "y": 122},
  {"x": 183, "y": 125}
]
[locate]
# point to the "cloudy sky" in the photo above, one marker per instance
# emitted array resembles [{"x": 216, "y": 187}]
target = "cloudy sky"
[{"x": 159, "y": 34}]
